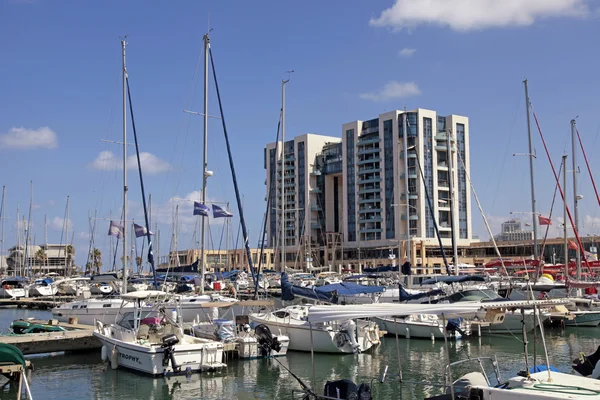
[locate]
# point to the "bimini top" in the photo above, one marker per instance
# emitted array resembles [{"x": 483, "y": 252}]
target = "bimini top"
[
  {"x": 144, "y": 294},
  {"x": 453, "y": 279}
]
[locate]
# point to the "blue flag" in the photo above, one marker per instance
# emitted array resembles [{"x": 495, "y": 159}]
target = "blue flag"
[
  {"x": 201, "y": 209},
  {"x": 140, "y": 230},
  {"x": 219, "y": 212},
  {"x": 115, "y": 229}
]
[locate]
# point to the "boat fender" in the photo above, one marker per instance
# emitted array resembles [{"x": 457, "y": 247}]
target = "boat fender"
[
  {"x": 104, "y": 353},
  {"x": 114, "y": 358}
]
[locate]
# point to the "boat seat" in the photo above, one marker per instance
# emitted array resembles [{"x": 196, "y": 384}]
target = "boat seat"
[
  {"x": 143, "y": 331},
  {"x": 470, "y": 379}
]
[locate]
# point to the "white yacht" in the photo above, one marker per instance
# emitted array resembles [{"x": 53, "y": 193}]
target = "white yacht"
[
  {"x": 152, "y": 342},
  {"x": 345, "y": 336},
  {"x": 11, "y": 288}
]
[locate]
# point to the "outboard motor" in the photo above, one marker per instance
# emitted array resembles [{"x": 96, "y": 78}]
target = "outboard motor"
[
  {"x": 266, "y": 340},
  {"x": 346, "y": 389},
  {"x": 349, "y": 329},
  {"x": 453, "y": 325},
  {"x": 585, "y": 364},
  {"x": 168, "y": 342}
]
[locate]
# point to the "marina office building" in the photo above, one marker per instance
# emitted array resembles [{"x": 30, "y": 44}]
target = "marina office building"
[{"x": 346, "y": 198}]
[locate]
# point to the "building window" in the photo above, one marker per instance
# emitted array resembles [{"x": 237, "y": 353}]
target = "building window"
[
  {"x": 351, "y": 185},
  {"x": 428, "y": 172},
  {"x": 388, "y": 141}
]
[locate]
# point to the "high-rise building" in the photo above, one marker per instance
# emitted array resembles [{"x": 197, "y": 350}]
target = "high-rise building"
[
  {"x": 353, "y": 190},
  {"x": 512, "y": 230},
  {"x": 375, "y": 195},
  {"x": 300, "y": 185}
]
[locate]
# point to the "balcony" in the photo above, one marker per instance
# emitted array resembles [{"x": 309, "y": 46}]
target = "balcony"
[
  {"x": 369, "y": 170},
  {"x": 315, "y": 207},
  {"x": 442, "y": 165},
  {"x": 370, "y": 230},
  {"x": 443, "y": 184},
  {"x": 371, "y": 200},
  {"x": 289, "y": 185},
  {"x": 316, "y": 190},
  {"x": 367, "y": 150},
  {"x": 290, "y": 156},
  {"x": 364, "y": 220},
  {"x": 369, "y": 210},
  {"x": 290, "y": 167},
  {"x": 441, "y": 136},
  {"x": 369, "y": 161},
  {"x": 370, "y": 140},
  {"x": 368, "y": 190},
  {"x": 375, "y": 179},
  {"x": 315, "y": 225}
]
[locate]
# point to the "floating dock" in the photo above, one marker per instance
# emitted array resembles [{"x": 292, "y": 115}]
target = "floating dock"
[
  {"x": 42, "y": 303},
  {"x": 77, "y": 338}
]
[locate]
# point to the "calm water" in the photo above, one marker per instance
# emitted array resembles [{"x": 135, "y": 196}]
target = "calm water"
[{"x": 86, "y": 377}]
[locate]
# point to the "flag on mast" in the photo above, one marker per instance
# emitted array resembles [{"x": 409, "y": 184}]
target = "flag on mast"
[
  {"x": 544, "y": 220},
  {"x": 201, "y": 209},
  {"x": 115, "y": 229},
  {"x": 220, "y": 212},
  {"x": 141, "y": 230}
]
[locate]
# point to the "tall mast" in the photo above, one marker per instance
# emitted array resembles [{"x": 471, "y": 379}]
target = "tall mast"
[
  {"x": 204, "y": 164},
  {"x": 46, "y": 238},
  {"x": 564, "y": 166},
  {"x": 19, "y": 243},
  {"x": 67, "y": 236},
  {"x": 110, "y": 249},
  {"x": 124, "y": 224},
  {"x": 2, "y": 263},
  {"x": 531, "y": 155},
  {"x": 453, "y": 225},
  {"x": 406, "y": 190},
  {"x": 575, "y": 197},
  {"x": 283, "y": 219},
  {"x": 28, "y": 229}
]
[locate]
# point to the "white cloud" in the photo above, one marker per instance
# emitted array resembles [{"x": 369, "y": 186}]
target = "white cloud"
[
  {"x": 84, "y": 235},
  {"x": 22, "y": 138},
  {"x": 58, "y": 224},
  {"x": 151, "y": 164},
  {"x": 407, "y": 52},
  {"x": 393, "y": 90},
  {"x": 465, "y": 15}
]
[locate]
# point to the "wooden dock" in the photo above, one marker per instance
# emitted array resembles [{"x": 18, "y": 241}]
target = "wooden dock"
[
  {"x": 42, "y": 303},
  {"x": 78, "y": 338}
]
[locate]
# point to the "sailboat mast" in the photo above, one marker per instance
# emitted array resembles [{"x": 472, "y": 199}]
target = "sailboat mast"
[
  {"x": 406, "y": 190},
  {"x": 67, "y": 236},
  {"x": 28, "y": 229},
  {"x": 453, "y": 225},
  {"x": 124, "y": 224},
  {"x": 564, "y": 167},
  {"x": 283, "y": 222},
  {"x": 575, "y": 197},
  {"x": 531, "y": 155},
  {"x": 46, "y": 240},
  {"x": 204, "y": 165}
]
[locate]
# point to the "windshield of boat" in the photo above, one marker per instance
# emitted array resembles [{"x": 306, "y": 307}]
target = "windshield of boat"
[{"x": 148, "y": 318}]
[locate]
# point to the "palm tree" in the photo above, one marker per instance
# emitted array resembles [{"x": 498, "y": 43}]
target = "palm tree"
[
  {"x": 41, "y": 257},
  {"x": 70, "y": 251},
  {"x": 138, "y": 262},
  {"x": 96, "y": 260}
]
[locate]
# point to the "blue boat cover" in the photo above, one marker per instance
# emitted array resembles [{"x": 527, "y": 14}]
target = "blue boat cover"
[
  {"x": 328, "y": 293},
  {"x": 453, "y": 279},
  {"x": 349, "y": 289},
  {"x": 405, "y": 296}
]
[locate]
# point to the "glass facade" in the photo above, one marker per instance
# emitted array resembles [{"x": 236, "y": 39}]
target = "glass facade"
[
  {"x": 428, "y": 172},
  {"x": 388, "y": 141},
  {"x": 462, "y": 183},
  {"x": 351, "y": 185}
]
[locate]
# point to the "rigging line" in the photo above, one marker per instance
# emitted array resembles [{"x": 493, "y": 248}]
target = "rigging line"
[
  {"x": 506, "y": 149},
  {"x": 548, "y": 226},
  {"x": 190, "y": 103},
  {"x": 579, "y": 243},
  {"x": 232, "y": 168},
  {"x": 483, "y": 215},
  {"x": 588, "y": 165}
]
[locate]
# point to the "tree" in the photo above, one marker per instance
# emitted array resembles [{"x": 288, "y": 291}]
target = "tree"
[
  {"x": 138, "y": 262},
  {"x": 96, "y": 260},
  {"x": 41, "y": 257}
]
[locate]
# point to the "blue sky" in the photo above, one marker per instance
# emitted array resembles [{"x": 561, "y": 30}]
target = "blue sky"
[{"x": 60, "y": 95}]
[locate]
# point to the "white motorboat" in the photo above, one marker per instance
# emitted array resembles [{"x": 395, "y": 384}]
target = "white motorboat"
[
  {"x": 424, "y": 326},
  {"x": 42, "y": 287},
  {"x": 251, "y": 343},
  {"x": 106, "y": 309},
  {"x": 11, "y": 288},
  {"x": 344, "y": 336},
  {"x": 72, "y": 286},
  {"x": 154, "y": 343}
]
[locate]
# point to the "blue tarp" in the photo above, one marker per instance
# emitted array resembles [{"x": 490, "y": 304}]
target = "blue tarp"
[
  {"x": 349, "y": 289},
  {"x": 353, "y": 277},
  {"x": 289, "y": 291},
  {"x": 453, "y": 279},
  {"x": 381, "y": 268},
  {"x": 405, "y": 296}
]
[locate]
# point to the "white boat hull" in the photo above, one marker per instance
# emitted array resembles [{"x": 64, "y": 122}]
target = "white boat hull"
[
  {"x": 302, "y": 338},
  {"x": 39, "y": 291},
  {"x": 415, "y": 328},
  {"x": 513, "y": 323},
  {"x": 12, "y": 293}
]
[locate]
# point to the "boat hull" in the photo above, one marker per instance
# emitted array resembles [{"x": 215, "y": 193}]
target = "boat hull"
[
  {"x": 584, "y": 318},
  {"x": 149, "y": 359},
  {"x": 414, "y": 329}
]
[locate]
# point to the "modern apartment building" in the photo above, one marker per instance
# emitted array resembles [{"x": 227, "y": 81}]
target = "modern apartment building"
[
  {"x": 351, "y": 192},
  {"x": 512, "y": 230},
  {"x": 296, "y": 182},
  {"x": 375, "y": 196}
]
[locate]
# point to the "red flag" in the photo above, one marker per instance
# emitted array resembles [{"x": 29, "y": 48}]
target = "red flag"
[
  {"x": 544, "y": 220},
  {"x": 572, "y": 245}
]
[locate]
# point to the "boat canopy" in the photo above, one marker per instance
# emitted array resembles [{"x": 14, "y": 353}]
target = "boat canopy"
[
  {"x": 381, "y": 268},
  {"x": 405, "y": 296},
  {"x": 104, "y": 278},
  {"x": 144, "y": 294},
  {"x": 349, "y": 289},
  {"x": 453, "y": 279},
  {"x": 328, "y": 293}
]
